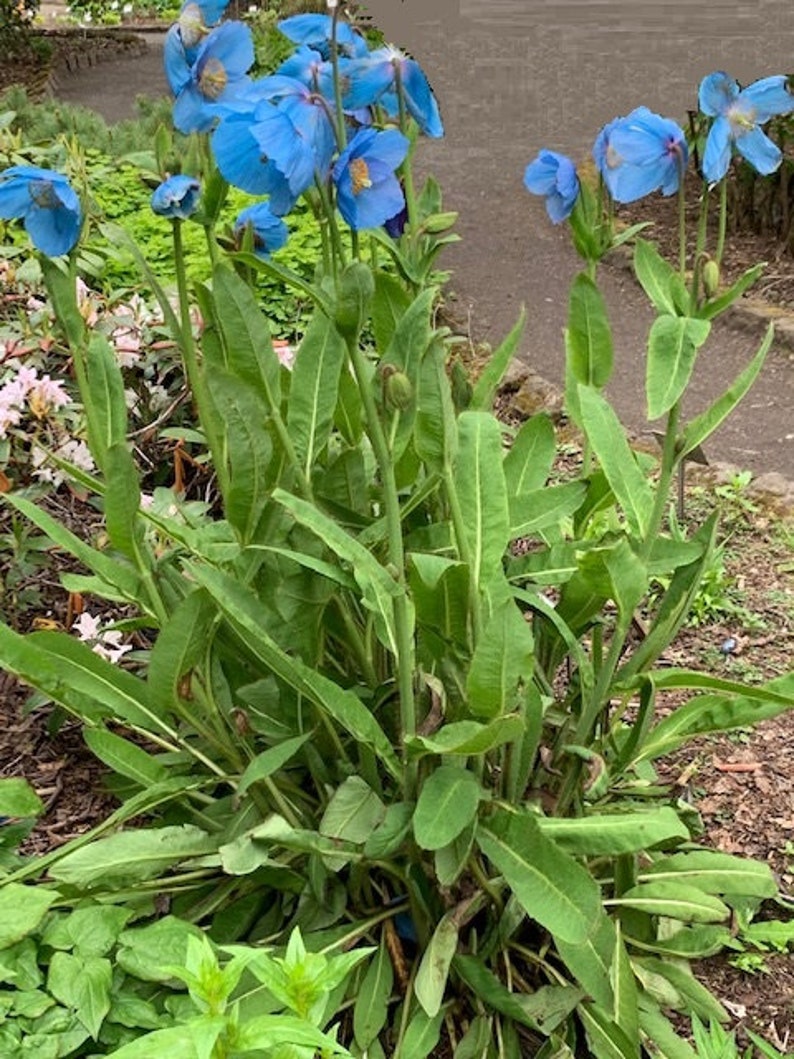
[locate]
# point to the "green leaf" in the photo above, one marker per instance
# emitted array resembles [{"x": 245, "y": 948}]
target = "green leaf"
[
  {"x": 714, "y": 873},
  {"x": 548, "y": 506},
  {"x": 387, "y": 838},
  {"x": 718, "y": 305},
  {"x": 718, "y": 713},
  {"x": 91, "y": 930},
  {"x": 122, "y": 504},
  {"x": 406, "y": 351},
  {"x": 550, "y": 885},
  {"x": 451, "y": 860},
  {"x": 675, "y": 900},
  {"x": 105, "y": 407},
  {"x": 82, "y": 983},
  {"x": 378, "y": 587},
  {"x": 605, "y": 1037},
  {"x": 247, "y": 477},
  {"x": 657, "y": 277},
  {"x": 62, "y": 289},
  {"x": 270, "y": 761},
  {"x": 620, "y": 466},
  {"x": 503, "y": 659},
  {"x": 245, "y": 336},
  {"x": 421, "y": 1037},
  {"x": 191, "y": 1039},
  {"x": 697, "y": 999},
  {"x": 116, "y": 572},
  {"x": 180, "y": 646},
  {"x": 704, "y": 425},
  {"x": 435, "y": 435},
  {"x": 126, "y": 758},
  {"x": 660, "y": 1036},
  {"x": 482, "y": 491},
  {"x": 541, "y": 1011},
  {"x": 611, "y": 835},
  {"x": 132, "y": 856},
  {"x": 372, "y": 1003},
  {"x": 314, "y": 389},
  {"x": 487, "y": 384},
  {"x": 624, "y": 988},
  {"x": 470, "y": 737},
  {"x": 389, "y": 304},
  {"x": 588, "y": 338},
  {"x": 77, "y": 678},
  {"x": 673, "y": 343},
  {"x": 690, "y": 943},
  {"x": 591, "y": 961},
  {"x": 431, "y": 977},
  {"x": 22, "y": 908},
  {"x": 18, "y": 798},
  {"x": 243, "y": 610},
  {"x": 447, "y": 804},
  {"x": 353, "y": 812},
  {"x": 440, "y": 591},
  {"x": 527, "y": 464}
]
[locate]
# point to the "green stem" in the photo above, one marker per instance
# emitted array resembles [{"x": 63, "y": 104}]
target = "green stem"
[
  {"x": 700, "y": 247},
  {"x": 723, "y": 221},
  {"x": 666, "y": 471},
  {"x": 402, "y": 616},
  {"x": 188, "y": 346},
  {"x": 341, "y": 135},
  {"x": 406, "y": 170},
  {"x": 464, "y": 551},
  {"x": 682, "y": 228}
]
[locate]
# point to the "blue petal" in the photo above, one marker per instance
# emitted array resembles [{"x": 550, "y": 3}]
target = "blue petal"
[
  {"x": 716, "y": 93},
  {"x": 14, "y": 198},
  {"x": 717, "y": 156},
  {"x": 192, "y": 112},
  {"x": 367, "y": 79},
  {"x": 540, "y": 176},
  {"x": 53, "y": 231},
  {"x": 270, "y": 232},
  {"x": 176, "y": 197},
  {"x": 232, "y": 45},
  {"x": 762, "y": 154},
  {"x": 212, "y": 10},
  {"x": 177, "y": 67},
  {"x": 768, "y": 97},
  {"x": 389, "y": 146},
  {"x": 420, "y": 101}
]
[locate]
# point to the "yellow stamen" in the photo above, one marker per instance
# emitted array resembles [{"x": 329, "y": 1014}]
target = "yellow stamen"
[
  {"x": 359, "y": 173},
  {"x": 213, "y": 79}
]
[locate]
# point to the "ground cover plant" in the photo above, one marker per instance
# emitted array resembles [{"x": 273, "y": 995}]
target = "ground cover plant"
[{"x": 379, "y": 696}]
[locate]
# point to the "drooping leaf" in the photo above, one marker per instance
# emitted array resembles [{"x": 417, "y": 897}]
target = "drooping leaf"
[
  {"x": 180, "y": 646},
  {"x": 549, "y": 884},
  {"x": 132, "y": 856},
  {"x": 615, "y": 833},
  {"x": 470, "y": 737},
  {"x": 124, "y": 757},
  {"x": 714, "y": 873},
  {"x": 675, "y": 901},
  {"x": 270, "y": 761}
]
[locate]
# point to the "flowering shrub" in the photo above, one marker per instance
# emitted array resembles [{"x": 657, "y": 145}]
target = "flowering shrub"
[{"x": 369, "y": 729}]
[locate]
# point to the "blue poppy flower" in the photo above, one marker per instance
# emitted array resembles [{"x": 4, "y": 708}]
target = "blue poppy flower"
[
  {"x": 554, "y": 176},
  {"x": 269, "y": 232},
  {"x": 309, "y": 111},
  {"x": 262, "y": 152},
  {"x": 640, "y": 153},
  {"x": 368, "y": 192},
  {"x": 176, "y": 197},
  {"x": 316, "y": 31},
  {"x": 738, "y": 115},
  {"x": 374, "y": 78},
  {"x": 46, "y": 203},
  {"x": 218, "y": 73}
]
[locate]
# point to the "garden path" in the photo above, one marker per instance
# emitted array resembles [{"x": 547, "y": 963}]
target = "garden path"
[{"x": 514, "y": 76}]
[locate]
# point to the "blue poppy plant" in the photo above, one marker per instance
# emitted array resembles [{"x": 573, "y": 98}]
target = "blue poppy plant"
[
  {"x": 375, "y": 78},
  {"x": 738, "y": 115},
  {"x": 218, "y": 73},
  {"x": 641, "y": 153},
  {"x": 368, "y": 192},
  {"x": 47, "y": 205},
  {"x": 269, "y": 232},
  {"x": 177, "y": 197},
  {"x": 553, "y": 176}
]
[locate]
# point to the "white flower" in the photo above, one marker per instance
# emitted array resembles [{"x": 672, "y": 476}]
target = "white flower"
[{"x": 104, "y": 642}]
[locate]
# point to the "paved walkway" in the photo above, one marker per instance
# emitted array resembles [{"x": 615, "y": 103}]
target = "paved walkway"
[{"x": 530, "y": 75}]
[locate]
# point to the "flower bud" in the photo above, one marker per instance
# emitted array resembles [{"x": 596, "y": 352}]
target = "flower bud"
[
  {"x": 711, "y": 278},
  {"x": 356, "y": 287},
  {"x": 398, "y": 391}
]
